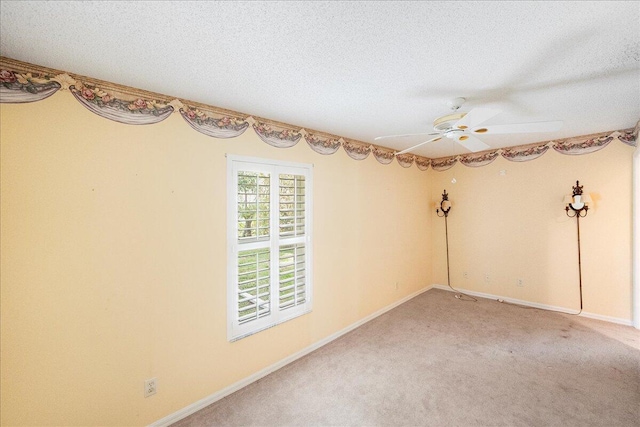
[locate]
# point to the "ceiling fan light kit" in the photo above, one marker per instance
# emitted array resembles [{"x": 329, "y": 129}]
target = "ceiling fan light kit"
[
  {"x": 462, "y": 127},
  {"x": 444, "y": 123}
]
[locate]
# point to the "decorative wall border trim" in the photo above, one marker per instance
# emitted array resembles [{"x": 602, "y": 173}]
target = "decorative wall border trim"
[
  {"x": 422, "y": 163},
  {"x": 383, "y": 155},
  {"x": 583, "y": 146},
  {"x": 136, "y": 112},
  {"x": 21, "y": 82},
  {"x": 217, "y": 126},
  {"x": 17, "y": 88},
  {"x": 323, "y": 145},
  {"x": 444, "y": 163},
  {"x": 479, "y": 159},
  {"x": 523, "y": 154},
  {"x": 357, "y": 150},
  {"x": 405, "y": 160},
  {"x": 280, "y": 137}
]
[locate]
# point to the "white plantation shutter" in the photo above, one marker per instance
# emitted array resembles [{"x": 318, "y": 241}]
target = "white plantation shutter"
[
  {"x": 269, "y": 261},
  {"x": 254, "y": 193},
  {"x": 254, "y": 282},
  {"x": 292, "y": 205},
  {"x": 292, "y": 276},
  {"x": 292, "y": 241}
]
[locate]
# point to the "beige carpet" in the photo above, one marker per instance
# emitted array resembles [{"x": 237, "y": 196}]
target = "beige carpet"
[{"x": 439, "y": 361}]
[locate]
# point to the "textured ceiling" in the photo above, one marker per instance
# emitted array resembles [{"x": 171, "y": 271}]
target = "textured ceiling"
[{"x": 355, "y": 69}]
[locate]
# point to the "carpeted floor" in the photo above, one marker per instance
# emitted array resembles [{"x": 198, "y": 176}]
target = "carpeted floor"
[{"x": 439, "y": 361}]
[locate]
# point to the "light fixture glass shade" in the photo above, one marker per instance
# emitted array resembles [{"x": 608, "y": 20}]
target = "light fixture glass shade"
[
  {"x": 578, "y": 201},
  {"x": 445, "y": 204}
]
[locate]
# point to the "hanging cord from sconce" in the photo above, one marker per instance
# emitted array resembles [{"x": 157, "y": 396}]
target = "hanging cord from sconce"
[
  {"x": 578, "y": 213},
  {"x": 459, "y": 295},
  {"x": 579, "y": 263},
  {"x": 501, "y": 301},
  {"x": 576, "y": 209}
]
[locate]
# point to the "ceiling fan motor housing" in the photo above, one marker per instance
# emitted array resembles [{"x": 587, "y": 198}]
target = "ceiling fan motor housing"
[{"x": 444, "y": 123}]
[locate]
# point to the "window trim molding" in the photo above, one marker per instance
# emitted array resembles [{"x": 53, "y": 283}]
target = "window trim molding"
[{"x": 233, "y": 334}]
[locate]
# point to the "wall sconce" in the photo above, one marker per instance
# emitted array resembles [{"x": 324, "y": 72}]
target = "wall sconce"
[
  {"x": 443, "y": 211},
  {"x": 445, "y": 205},
  {"x": 577, "y": 206}
]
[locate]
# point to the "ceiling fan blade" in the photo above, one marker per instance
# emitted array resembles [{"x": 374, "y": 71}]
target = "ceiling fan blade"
[
  {"x": 472, "y": 143},
  {"x": 406, "y": 150},
  {"x": 378, "y": 138},
  {"x": 475, "y": 117},
  {"x": 519, "y": 128}
]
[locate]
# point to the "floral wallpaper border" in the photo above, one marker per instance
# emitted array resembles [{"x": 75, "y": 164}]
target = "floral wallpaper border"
[
  {"x": 217, "y": 127},
  {"x": 22, "y": 83},
  {"x": 137, "y": 112},
  {"x": 18, "y": 88}
]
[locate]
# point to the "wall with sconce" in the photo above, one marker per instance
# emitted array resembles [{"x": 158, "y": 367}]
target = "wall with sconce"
[
  {"x": 509, "y": 234},
  {"x": 113, "y": 243}
]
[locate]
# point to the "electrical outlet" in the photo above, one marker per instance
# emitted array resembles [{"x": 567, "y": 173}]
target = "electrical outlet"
[
  {"x": 519, "y": 282},
  {"x": 465, "y": 275},
  {"x": 150, "y": 387},
  {"x": 487, "y": 279}
]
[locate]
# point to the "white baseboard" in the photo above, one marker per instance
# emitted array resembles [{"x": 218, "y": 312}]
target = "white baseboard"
[
  {"x": 620, "y": 321},
  {"x": 202, "y": 403}
]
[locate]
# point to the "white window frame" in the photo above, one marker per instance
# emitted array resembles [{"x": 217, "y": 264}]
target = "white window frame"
[{"x": 235, "y": 330}]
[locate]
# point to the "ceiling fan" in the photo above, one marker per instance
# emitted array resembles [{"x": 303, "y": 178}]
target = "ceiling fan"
[{"x": 464, "y": 127}]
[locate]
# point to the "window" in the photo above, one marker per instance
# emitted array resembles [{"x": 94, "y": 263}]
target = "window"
[{"x": 269, "y": 243}]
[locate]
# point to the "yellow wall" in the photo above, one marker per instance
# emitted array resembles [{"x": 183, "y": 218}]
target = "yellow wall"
[
  {"x": 514, "y": 227},
  {"x": 113, "y": 261},
  {"x": 113, "y": 254}
]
